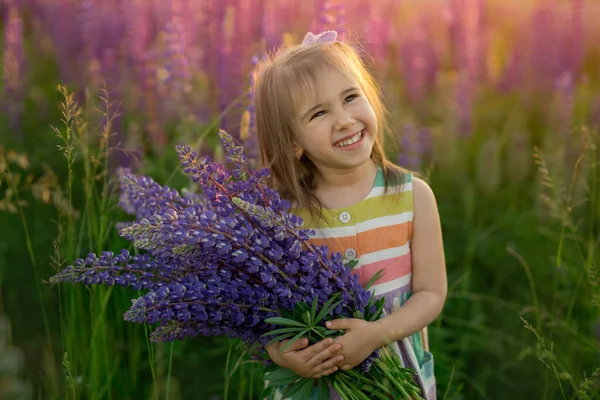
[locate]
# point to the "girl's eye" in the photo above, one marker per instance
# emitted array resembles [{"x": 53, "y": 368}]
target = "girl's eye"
[
  {"x": 351, "y": 97},
  {"x": 317, "y": 115}
]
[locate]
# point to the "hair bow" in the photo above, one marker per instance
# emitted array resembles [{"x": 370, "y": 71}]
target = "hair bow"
[{"x": 323, "y": 37}]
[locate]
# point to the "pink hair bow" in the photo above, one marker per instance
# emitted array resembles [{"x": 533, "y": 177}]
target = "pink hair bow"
[{"x": 323, "y": 37}]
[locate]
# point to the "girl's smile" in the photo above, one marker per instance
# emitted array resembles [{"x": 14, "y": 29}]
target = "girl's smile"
[
  {"x": 336, "y": 125},
  {"x": 351, "y": 142}
]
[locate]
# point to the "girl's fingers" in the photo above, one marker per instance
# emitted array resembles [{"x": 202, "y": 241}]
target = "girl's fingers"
[
  {"x": 324, "y": 355},
  {"x": 330, "y": 366},
  {"x": 298, "y": 345},
  {"x": 327, "y": 372},
  {"x": 333, "y": 362},
  {"x": 316, "y": 348}
]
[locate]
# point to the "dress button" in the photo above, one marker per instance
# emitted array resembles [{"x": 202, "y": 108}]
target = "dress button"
[
  {"x": 350, "y": 254},
  {"x": 345, "y": 217}
]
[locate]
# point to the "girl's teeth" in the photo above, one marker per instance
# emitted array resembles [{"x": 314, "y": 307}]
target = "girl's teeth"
[{"x": 350, "y": 141}]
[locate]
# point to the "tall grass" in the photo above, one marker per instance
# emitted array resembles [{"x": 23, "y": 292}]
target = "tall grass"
[
  {"x": 519, "y": 198},
  {"x": 103, "y": 357},
  {"x": 520, "y": 318},
  {"x": 87, "y": 317}
]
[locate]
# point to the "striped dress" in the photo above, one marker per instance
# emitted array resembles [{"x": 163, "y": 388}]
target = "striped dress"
[{"x": 376, "y": 232}]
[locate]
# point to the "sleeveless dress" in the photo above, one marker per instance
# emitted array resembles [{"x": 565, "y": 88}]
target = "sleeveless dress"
[{"x": 377, "y": 232}]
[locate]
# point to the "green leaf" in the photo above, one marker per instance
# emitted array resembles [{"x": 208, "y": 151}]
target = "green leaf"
[
  {"x": 396, "y": 383},
  {"x": 323, "y": 389},
  {"x": 351, "y": 264},
  {"x": 321, "y": 314},
  {"x": 321, "y": 330},
  {"x": 281, "y": 377},
  {"x": 306, "y": 318},
  {"x": 280, "y": 338},
  {"x": 284, "y": 322},
  {"x": 282, "y": 330},
  {"x": 374, "y": 279},
  {"x": 302, "y": 390},
  {"x": 349, "y": 393},
  {"x": 293, "y": 340},
  {"x": 268, "y": 392},
  {"x": 300, "y": 308},
  {"x": 373, "y": 316},
  {"x": 313, "y": 310},
  {"x": 358, "y": 314},
  {"x": 379, "y": 310},
  {"x": 271, "y": 368},
  {"x": 327, "y": 308}
]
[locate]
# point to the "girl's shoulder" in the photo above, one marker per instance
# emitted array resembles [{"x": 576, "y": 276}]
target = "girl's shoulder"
[{"x": 394, "y": 179}]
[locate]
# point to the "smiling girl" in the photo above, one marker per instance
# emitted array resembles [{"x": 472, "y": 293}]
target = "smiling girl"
[{"x": 322, "y": 127}]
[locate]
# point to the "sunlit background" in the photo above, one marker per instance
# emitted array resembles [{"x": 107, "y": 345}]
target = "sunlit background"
[{"x": 495, "y": 102}]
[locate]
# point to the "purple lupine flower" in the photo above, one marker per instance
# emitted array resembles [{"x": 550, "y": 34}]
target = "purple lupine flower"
[
  {"x": 143, "y": 197},
  {"x": 221, "y": 267},
  {"x": 248, "y": 133},
  {"x": 138, "y": 35},
  {"x": 65, "y": 38},
  {"x": 573, "y": 49},
  {"x": 419, "y": 63},
  {"x": 88, "y": 24},
  {"x": 378, "y": 33},
  {"x": 177, "y": 62},
  {"x": 137, "y": 30},
  {"x": 332, "y": 17},
  {"x": 270, "y": 26},
  {"x": 544, "y": 56},
  {"x": 12, "y": 64},
  {"x": 240, "y": 43},
  {"x": 224, "y": 61},
  {"x": 209, "y": 41},
  {"x": 415, "y": 146},
  {"x": 513, "y": 75},
  {"x": 151, "y": 100},
  {"x": 466, "y": 35}
]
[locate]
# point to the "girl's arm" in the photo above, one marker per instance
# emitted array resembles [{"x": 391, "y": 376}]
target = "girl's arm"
[
  {"x": 429, "y": 282},
  {"x": 429, "y": 287}
]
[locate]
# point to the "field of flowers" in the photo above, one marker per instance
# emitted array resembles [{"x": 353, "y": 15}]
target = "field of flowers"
[{"x": 495, "y": 102}]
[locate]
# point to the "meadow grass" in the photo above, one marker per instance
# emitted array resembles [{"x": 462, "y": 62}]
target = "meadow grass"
[
  {"x": 520, "y": 207},
  {"x": 520, "y": 319}
]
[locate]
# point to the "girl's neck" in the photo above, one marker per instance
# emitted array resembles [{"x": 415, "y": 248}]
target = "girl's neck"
[{"x": 344, "y": 188}]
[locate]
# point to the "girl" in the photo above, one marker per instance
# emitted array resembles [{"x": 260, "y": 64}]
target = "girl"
[{"x": 321, "y": 126}]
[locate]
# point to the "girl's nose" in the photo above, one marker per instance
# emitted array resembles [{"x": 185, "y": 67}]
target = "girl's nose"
[{"x": 344, "y": 121}]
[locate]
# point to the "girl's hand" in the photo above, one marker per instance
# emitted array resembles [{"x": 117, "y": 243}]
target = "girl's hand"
[
  {"x": 360, "y": 340},
  {"x": 320, "y": 359}
]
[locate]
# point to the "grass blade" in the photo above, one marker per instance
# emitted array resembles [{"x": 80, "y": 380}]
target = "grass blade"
[{"x": 284, "y": 322}]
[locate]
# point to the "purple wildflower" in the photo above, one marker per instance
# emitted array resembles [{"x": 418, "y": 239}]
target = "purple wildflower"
[
  {"x": 415, "y": 145},
  {"x": 419, "y": 63},
  {"x": 220, "y": 267},
  {"x": 12, "y": 64},
  {"x": 178, "y": 65},
  {"x": 248, "y": 132}
]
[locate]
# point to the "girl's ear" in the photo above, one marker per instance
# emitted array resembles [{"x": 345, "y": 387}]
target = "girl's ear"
[{"x": 298, "y": 150}]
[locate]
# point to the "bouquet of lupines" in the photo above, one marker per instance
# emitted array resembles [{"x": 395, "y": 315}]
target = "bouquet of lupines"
[{"x": 233, "y": 261}]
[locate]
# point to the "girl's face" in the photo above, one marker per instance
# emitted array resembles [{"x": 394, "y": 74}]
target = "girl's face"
[{"x": 336, "y": 128}]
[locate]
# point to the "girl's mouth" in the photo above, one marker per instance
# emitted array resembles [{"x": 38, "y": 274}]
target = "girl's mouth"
[{"x": 351, "y": 142}]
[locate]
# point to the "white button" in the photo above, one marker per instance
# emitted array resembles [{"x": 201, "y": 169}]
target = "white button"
[
  {"x": 350, "y": 254},
  {"x": 345, "y": 217}
]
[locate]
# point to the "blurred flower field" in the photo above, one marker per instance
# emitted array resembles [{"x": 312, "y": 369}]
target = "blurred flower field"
[{"x": 495, "y": 102}]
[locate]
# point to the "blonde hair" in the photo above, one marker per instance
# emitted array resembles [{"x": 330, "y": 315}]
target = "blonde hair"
[{"x": 294, "y": 71}]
